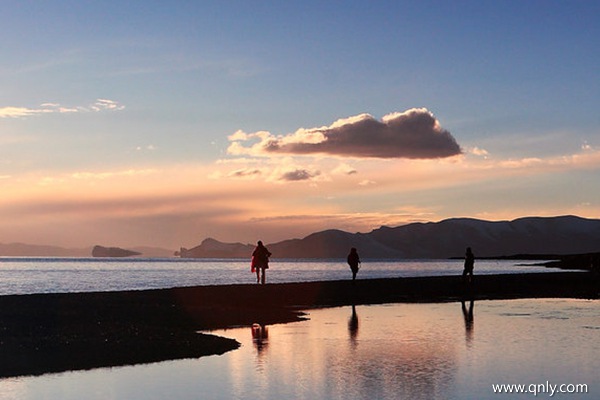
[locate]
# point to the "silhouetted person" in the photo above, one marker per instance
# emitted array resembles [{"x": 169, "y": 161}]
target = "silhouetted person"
[
  {"x": 260, "y": 261},
  {"x": 353, "y": 261},
  {"x": 467, "y": 274}
]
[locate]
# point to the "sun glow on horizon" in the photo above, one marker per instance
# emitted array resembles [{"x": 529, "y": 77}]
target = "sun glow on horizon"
[{"x": 187, "y": 202}]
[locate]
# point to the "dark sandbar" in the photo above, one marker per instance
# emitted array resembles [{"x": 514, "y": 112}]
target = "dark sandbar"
[{"x": 59, "y": 332}]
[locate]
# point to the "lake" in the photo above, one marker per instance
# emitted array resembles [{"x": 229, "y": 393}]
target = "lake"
[
  {"x": 392, "y": 351},
  {"x": 62, "y": 275}
]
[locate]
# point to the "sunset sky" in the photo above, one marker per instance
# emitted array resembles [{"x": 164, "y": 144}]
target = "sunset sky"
[{"x": 163, "y": 123}]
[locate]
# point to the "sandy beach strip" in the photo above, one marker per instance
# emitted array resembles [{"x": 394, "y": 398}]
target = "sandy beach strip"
[{"x": 43, "y": 333}]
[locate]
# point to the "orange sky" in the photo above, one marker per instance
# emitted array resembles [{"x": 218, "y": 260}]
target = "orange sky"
[{"x": 179, "y": 205}]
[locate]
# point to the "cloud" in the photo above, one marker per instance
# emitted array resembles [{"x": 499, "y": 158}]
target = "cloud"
[
  {"x": 113, "y": 174},
  {"x": 586, "y": 147},
  {"x": 18, "y": 112},
  {"x": 479, "y": 152},
  {"x": 298, "y": 175},
  {"x": 277, "y": 170},
  {"x": 344, "y": 169},
  {"x": 149, "y": 147},
  {"x": 55, "y": 108},
  {"x": 367, "y": 182},
  {"x": 301, "y": 224},
  {"x": 105, "y": 104},
  {"x": 245, "y": 173},
  {"x": 414, "y": 134}
]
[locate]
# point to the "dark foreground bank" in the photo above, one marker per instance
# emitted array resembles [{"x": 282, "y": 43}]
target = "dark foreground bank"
[{"x": 59, "y": 332}]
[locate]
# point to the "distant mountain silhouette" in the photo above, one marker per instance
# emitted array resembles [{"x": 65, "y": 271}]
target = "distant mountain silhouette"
[
  {"x": 445, "y": 239},
  {"x": 211, "y": 248},
  {"x": 101, "y": 251}
]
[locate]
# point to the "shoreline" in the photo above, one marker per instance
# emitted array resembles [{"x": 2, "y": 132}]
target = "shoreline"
[{"x": 43, "y": 333}]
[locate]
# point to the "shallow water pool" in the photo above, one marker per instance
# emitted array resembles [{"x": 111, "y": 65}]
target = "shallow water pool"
[{"x": 393, "y": 351}]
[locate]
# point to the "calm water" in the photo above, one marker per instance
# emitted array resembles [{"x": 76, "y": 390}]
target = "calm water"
[
  {"x": 48, "y": 275},
  {"x": 395, "y": 351}
]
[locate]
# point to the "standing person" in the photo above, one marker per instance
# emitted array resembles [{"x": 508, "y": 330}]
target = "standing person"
[
  {"x": 260, "y": 260},
  {"x": 353, "y": 261},
  {"x": 467, "y": 274}
]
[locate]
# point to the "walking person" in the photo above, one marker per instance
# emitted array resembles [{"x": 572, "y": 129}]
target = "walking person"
[
  {"x": 467, "y": 274},
  {"x": 260, "y": 261},
  {"x": 353, "y": 261}
]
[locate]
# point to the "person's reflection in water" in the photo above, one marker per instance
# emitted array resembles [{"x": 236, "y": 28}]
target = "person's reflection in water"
[
  {"x": 353, "y": 325},
  {"x": 469, "y": 319},
  {"x": 260, "y": 338}
]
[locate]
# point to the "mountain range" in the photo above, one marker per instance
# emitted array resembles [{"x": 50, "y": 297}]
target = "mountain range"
[{"x": 438, "y": 240}]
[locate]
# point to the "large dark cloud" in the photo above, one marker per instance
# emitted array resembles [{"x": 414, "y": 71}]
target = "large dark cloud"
[{"x": 415, "y": 133}]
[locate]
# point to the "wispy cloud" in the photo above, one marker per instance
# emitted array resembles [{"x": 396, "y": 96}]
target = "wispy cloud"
[
  {"x": 479, "y": 152},
  {"x": 105, "y": 104},
  {"x": 350, "y": 222},
  {"x": 54, "y": 108},
  {"x": 245, "y": 173},
  {"x": 19, "y": 112},
  {"x": 113, "y": 174},
  {"x": 414, "y": 134},
  {"x": 344, "y": 169}
]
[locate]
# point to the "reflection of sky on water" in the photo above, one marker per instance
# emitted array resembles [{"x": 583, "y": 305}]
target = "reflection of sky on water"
[
  {"x": 426, "y": 351},
  {"x": 396, "y": 351},
  {"x": 380, "y": 350}
]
